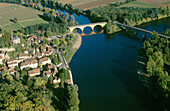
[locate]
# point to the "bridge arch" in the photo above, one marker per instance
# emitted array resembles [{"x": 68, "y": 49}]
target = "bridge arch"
[
  {"x": 98, "y": 28},
  {"x": 78, "y": 30},
  {"x": 85, "y": 29},
  {"x": 92, "y": 25}
]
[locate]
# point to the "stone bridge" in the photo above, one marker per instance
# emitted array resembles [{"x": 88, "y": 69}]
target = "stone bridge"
[
  {"x": 82, "y": 27},
  {"x": 102, "y": 24}
]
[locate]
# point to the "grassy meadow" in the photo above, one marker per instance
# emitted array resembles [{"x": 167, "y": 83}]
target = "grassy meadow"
[{"x": 25, "y": 16}]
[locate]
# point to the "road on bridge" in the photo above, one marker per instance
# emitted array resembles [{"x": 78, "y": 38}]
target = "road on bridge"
[
  {"x": 143, "y": 30},
  {"x": 92, "y": 25}
]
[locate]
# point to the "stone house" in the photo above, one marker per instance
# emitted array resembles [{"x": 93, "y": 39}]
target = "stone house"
[
  {"x": 12, "y": 71},
  {"x": 34, "y": 72},
  {"x": 15, "y": 39},
  {"x": 24, "y": 56},
  {"x": 29, "y": 63},
  {"x": 47, "y": 73},
  {"x": 31, "y": 50},
  {"x": 56, "y": 80},
  {"x": 2, "y": 54},
  {"x": 7, "y": 56},
  {"x": 45, "y": 60},
  {"x": 39, "y": 55},
  {"x": 13, "y": 64}
]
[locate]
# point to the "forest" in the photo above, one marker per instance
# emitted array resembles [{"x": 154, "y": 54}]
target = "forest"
[
  {"x": 127, "y": 15},
  {"x": 37, "y": 94},
  {"x": 156, "y": 51}
]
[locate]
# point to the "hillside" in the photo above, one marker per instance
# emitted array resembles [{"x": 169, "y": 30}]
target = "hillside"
[{"x": 25, "y": 16}]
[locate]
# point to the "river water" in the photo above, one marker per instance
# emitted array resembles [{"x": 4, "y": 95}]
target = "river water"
[{"x": 104, "y": 69}]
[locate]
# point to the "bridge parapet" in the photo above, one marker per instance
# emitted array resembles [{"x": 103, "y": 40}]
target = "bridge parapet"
[{"x": 102, "y": 24}]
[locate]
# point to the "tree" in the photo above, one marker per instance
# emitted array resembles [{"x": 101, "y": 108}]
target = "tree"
[
  {"x": 27, "y": 105},
  {"x": 65, "y": 43},
  {"x": 154, "y": 34},
  {"x": 54, "y": 60},
  {"x": 17, "y": 76},
  {"x": 39, "y": 82},
  {"x": 149, "y": 52},
  {"x": 22, "y": 30},
  {"x": 27, "y": 31},
  {"x": 51, "y": 78},
  {"x": 150, "y": 66},
  {"x": 56, "y": 41},
  {"x": 15, "y": 20},
  {"x": 73, "y": 100},
  {"x": 23, "y": 75},
  {"x": 9, "y": 78},
  {"x": 48, "y": 34},
  {"x": 46, "y": 41},
  {"x": 61, "y": 76},
  {"x": 5, "y": 72}
]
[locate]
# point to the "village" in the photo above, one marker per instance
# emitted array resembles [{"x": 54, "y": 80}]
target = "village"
[{"x": 36, "y": 62}]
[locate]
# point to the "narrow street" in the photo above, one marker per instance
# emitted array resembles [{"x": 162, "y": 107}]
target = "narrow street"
[{"x": 64, "y": 65}]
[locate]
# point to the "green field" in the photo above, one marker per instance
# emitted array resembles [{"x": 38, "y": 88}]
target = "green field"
[
  {"x": 166, "y": 2},
  {"x": 138, "y": 4},
  {"x": 32, "y": 22},
  {"x": 25, "y": 15}
]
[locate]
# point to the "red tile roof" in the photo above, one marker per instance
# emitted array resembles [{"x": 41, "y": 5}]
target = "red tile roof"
[
  {"x": 43, "y": 59},
  {"x": 34, "y": 71}
]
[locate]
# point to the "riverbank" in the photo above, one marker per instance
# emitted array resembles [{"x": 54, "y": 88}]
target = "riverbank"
[
  {"x": 73, "y": 50},
  {"x": 134, "y": 25},
  {"x": 75, "y": 47}
]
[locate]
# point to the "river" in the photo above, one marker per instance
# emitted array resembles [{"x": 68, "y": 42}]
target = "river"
[{"x": 104, "y": 69}]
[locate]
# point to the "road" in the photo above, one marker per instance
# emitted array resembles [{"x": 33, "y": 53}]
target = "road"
[{"x": 63, "y": 65}]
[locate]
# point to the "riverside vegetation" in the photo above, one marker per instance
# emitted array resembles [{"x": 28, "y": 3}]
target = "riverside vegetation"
[
  {"x": 128, "y": 15},
  {"x": 156, "y": 52}
]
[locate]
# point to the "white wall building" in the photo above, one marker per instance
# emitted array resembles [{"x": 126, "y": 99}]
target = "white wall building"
[
  {"x": 34, "y": 72},
  {"x": 45, "y": 60}
]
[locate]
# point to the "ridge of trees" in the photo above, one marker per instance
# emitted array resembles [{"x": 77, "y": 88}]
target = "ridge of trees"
[
  {"x": 127, "y": 15},
  {"x": 157, "y": 53},
  {"x": 117, "y": 4}
]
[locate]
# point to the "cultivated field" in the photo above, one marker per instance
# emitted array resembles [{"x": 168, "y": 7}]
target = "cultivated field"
[
  {"x": 86, "y": 4},
  {"x": 26, "y": 16},
  {"x": 139, "y": 4}
]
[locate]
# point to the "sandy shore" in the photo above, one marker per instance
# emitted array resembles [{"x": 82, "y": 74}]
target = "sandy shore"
[{"x": 76, "y": 45}]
